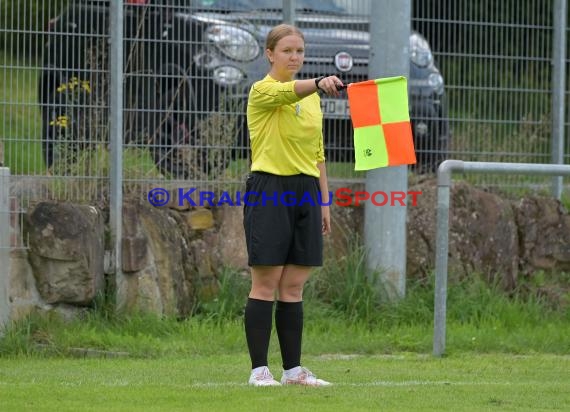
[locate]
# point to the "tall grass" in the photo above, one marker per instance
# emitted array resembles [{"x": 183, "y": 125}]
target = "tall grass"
[
  {"x": 346, "y": 311},
  {"x": 344, "y": 285},
  {"x": 228, "y": 304}
]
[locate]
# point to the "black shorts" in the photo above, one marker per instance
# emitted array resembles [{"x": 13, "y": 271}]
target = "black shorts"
[{"x": 282, "y": 220}]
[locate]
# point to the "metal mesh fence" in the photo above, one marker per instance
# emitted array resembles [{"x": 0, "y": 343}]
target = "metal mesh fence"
[
  {"x": 480, "y": 88},
  {"x": 497, "y": 61}
]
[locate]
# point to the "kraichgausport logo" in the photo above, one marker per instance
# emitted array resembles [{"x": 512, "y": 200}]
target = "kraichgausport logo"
[{"x": 343, "y": 196}]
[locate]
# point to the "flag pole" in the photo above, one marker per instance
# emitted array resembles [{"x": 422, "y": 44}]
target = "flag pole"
[{"x": 385, "y": 226}]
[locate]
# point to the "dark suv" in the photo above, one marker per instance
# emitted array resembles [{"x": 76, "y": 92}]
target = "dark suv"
[{"x": 188, "y": 69}]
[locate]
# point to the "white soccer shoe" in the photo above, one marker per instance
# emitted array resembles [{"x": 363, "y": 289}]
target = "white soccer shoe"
[
  {"x": 262, "y": 377},
  {"x": 303, "y": 377}
]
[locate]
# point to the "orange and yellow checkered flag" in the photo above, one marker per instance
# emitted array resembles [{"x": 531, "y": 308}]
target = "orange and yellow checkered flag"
[{"x": 381, "y": 121}]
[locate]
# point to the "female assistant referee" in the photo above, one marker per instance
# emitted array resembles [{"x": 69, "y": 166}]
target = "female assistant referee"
[{"x": 284, "y": 239}]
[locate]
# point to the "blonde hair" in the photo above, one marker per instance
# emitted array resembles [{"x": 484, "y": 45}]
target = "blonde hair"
[{"x": 280, "y": 31}]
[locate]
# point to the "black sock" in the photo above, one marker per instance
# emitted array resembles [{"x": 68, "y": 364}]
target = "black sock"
[
  {"x": 258, "y": 322},
  {"x": 289, "y": 325}
]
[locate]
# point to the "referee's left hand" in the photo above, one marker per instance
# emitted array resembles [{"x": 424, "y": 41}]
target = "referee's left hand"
[{"x": 331, "y": 86}]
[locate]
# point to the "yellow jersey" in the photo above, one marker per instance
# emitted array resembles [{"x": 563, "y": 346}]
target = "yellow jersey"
[{"x": 285, "y": 131}]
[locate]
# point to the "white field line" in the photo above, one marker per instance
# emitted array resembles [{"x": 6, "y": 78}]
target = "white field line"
[
  {"x": 385, "y": 384},
  {"x": 240, "y": 384}
]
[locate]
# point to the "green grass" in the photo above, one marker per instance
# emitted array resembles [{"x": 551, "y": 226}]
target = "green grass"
[
  {"x": 20, "y": 120},
  {"x": 326, "y": 331},
  {"x": 402, "y": 382},
  {"x": 505, "y": 351}
]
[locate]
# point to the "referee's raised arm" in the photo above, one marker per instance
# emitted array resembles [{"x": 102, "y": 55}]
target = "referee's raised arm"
[{"x": 330, "y": 85}]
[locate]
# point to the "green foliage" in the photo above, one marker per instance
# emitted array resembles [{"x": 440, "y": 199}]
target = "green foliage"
[
  {"x": 498, "y": 78},
  {"x": 23, "y": 24},
  {"x": 229, "y": 302},
  {"x": 344, "y": 284},
  {"x": 86, "y": 173},
  {"x": 346, "y": 288},
  {"x": 439, "y": 19}
]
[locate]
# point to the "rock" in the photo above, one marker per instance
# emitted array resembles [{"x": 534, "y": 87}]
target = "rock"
[
  {"x": 207, "y": 285},
  {"x": 347, "y": 224},
  {"x": 201, "y": 256},
  {"x": 227, "y": 241},
  {"x": 67, "y": 312},
  {"x": 200, "y": 219},
  {"x": 66, "y": 248},
  {"x": 24, "y": 190},
  {"x": 544, "y": 232},
  {"x": 134, "y": 253},
  {"x": 23, "y": 295},
  {"x": 172, "y": 257},
  {"x": 134, "y": 242},
  {"x": 483, "y": 236},
  {"x": 15, "y": 217},
  {"x": 421, "y": 231},
  {"x": 177, "y": 202},
  {"x": 165, "y": 284},
  {"x": 144, "y": 295}
]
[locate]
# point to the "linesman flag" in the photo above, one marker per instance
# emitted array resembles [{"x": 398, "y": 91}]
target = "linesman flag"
[{"x": 381, "y": 122}]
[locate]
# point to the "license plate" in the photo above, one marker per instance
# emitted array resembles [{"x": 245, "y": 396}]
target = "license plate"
[{"x": 335, "y": 108}]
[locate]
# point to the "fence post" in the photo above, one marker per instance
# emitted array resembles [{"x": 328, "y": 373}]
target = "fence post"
[
  {"x": 289, "y": 11},
  {"x": 558, "y": 90},
  {"x": 4, "y": 246},
  {"x": 116, "y": 143},
  {"x": 441, "y": 253},
  {"x": 385, "y": 227}
]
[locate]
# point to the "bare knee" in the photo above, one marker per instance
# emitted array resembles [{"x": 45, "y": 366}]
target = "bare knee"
[
  {"x": 292, "y": 283},
  {"x": 264, "y": 282},
  {"x": 291, "y": 292},
  {"x": 263, "y": 291},
  {"x": 291, "y": 287}
]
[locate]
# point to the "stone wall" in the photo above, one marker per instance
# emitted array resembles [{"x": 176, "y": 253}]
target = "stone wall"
[{"x": 172, "y": 255}]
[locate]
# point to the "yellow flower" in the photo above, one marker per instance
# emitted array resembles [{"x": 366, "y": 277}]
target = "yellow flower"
[
  {"x": 86, "y": 86},
  {"x": 73, "y": 83},
  {"x": 60, "y": 121}
]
